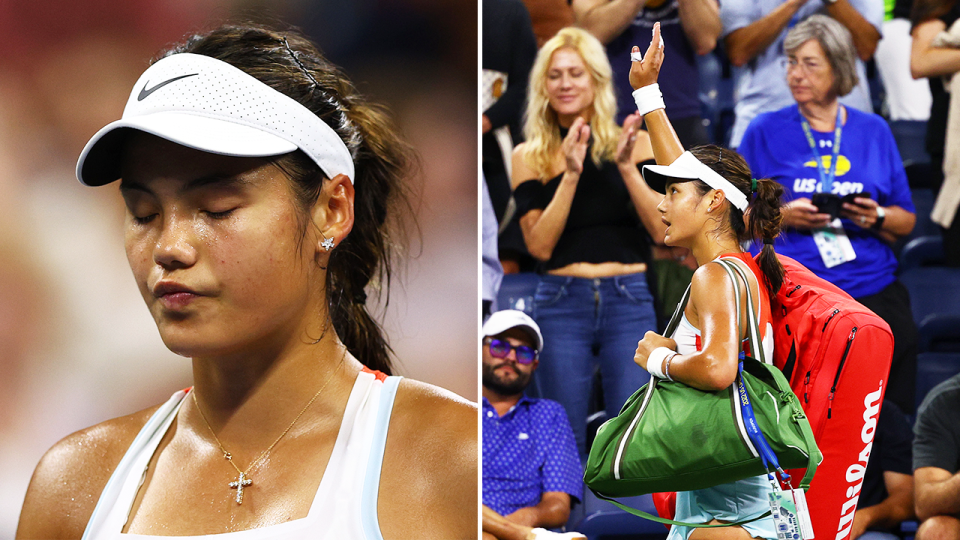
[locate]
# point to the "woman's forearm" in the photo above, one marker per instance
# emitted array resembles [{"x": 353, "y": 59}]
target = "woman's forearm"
[
  {"x": 542, "y": 230},
  {"x": 927, "y": 60}
]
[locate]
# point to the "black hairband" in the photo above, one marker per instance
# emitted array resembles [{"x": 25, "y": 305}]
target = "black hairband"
[{"x": 768, "y": 241}]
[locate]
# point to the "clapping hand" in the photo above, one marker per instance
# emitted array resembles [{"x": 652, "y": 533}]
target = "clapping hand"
[
  {"x": 646, "y": 71},
  {"x": 574, "y": 145},
  {"x": 628, "y": 139}
]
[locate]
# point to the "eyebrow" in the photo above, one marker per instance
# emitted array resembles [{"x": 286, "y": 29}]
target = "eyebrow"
[{"x": 192, "y": 185}]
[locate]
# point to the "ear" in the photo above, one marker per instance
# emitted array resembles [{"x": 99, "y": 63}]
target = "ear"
[
  {"x": 332, "y": 213},
  {"x": 715, "y": 200}
]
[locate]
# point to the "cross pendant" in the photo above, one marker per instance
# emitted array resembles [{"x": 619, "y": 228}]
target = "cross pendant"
[{"x": 242, "y": 481}]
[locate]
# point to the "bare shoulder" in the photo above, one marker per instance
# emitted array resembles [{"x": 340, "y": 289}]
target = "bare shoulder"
[
  {"x": 435, "y": 420},
  {"x": 67, "y": 482},
  {"x": 522, "y": 171},
  {"x": 430, "y": 465}
]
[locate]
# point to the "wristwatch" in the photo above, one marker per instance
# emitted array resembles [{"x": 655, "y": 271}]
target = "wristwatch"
[
  {"x": 829, "y": 2},
  {"x": 881, "y": 215}
]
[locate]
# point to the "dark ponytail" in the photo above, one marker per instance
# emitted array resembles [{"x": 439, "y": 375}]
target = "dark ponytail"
[
  {"x": 289, "y": 63},
  {"x": 764, "y": 196}
]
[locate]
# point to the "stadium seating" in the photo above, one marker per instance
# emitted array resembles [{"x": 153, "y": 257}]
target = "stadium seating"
[
  {"x": 932, "y": 290},
  {"x": 939, "y": 357},
  {"x": 603, "y": 520},
  {"x": 922, "y": 251}
]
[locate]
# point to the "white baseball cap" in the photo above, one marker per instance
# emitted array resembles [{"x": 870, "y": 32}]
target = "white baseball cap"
[
  {"x": 687, "y": 167},
  {"x": 209, "y": 105},
  {"x": 501, "y": 321}
]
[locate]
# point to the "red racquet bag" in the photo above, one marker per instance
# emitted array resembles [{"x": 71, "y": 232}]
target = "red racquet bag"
[{"x": 836, "y": 354}]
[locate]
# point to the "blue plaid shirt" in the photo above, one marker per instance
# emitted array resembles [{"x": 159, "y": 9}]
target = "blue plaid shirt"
[{"x": 529, "y": 451}]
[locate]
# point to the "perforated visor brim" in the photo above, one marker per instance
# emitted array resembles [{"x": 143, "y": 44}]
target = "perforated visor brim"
[{"x": 100, "y": 160}]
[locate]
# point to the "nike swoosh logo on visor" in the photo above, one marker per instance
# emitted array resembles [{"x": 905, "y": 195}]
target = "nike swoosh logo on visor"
[{"x": 145, "y": 92}]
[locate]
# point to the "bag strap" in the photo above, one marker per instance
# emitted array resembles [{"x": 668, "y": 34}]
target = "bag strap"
[
  {"x": 677, "y": 314},
  {"x": 753, "y": 320},
  {"x": 757, "y": 350},
  {"x": 665, "y": 521}
]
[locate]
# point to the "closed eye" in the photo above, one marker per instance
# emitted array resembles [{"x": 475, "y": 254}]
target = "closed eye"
[
  {"x": 220, "y": 215},
  {"x": 143, "y": 220}
]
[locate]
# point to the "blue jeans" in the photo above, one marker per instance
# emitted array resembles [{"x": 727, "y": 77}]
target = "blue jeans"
[{"x": 585, "y": 323}]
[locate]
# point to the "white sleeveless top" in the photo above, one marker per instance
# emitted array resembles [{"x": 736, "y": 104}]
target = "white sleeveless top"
[
  {"x": 345, "y": 506},
  {"x": 688, "y": 337}
]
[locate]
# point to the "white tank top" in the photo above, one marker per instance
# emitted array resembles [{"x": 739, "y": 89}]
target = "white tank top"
[
  {"x": 688, "y": 337},
  {"x": 345, "y": 506}
]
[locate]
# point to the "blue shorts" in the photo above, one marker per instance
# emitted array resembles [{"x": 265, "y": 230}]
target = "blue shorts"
[{"x": 736, "y": 501}]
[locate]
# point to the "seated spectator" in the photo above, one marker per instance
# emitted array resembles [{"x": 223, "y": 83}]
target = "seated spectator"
[
  {"x": 531, "y": 471},
  {"x": 936, "y": 462},
  {"x": 886, "y": 499},
  {"x": 689, "y": 28},
  {"x": 754, "y": 32},
  {"x": 800, "y": 147}
]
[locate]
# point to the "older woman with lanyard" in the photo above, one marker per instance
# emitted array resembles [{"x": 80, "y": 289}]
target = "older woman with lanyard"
[{"x": 840, "y": 220}]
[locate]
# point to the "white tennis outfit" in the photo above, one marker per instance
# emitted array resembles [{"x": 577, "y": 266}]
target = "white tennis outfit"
[{"x": 345, "y": 506}]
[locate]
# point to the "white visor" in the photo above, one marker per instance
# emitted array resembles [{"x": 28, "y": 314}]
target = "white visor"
[
  {"x": 209, "y": 105},
  {"x": 687, "y": 167}
]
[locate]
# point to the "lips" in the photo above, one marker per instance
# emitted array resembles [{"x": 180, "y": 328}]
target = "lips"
[{"x": 174, "y": 296}]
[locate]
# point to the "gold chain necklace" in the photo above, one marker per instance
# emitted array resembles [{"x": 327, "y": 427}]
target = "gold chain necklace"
[{"x": 243, "y": 480}]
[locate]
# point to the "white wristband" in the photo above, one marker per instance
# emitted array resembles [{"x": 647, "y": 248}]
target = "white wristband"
[
  {"x": 648, "y": 98},
  {"x": 656, "y": 361}
]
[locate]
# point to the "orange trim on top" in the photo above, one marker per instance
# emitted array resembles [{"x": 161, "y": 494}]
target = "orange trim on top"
[{"x": 381, "y": 376}]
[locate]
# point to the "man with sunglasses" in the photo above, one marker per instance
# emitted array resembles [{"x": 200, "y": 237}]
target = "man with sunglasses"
[{"x": 531, "y": 470}]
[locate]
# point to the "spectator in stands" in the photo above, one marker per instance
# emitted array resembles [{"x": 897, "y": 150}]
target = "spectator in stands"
[
  {"x": 508, "y": 51},
  {"x": 936, "y": 462},
  {"x": 588, "y": 217},
  {"x": 531, "y": 470},
  {"x": 754, "y": 32},
  {"x": 930, "y": 19},
  {"x": 800, "y": 147},
  {"x": 689, "y": 28},
  {"x": 886, "y": 499}
]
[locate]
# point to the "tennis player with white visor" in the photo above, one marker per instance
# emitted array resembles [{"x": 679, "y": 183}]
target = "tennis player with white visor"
[
  {"x": 707, "y": 191},
  {"x": 259, "y": 189}
]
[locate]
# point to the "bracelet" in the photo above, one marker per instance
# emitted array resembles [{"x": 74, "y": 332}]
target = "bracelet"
[
  {"x": 648, "y": 98},
  {"x": 656, "y": 361}
]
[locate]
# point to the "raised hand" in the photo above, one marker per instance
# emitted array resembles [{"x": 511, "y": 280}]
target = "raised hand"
[
  {"x": 646, "y": 71},
  {"x": 574, "y": 145},
  {"x": 628, "y": 139}
]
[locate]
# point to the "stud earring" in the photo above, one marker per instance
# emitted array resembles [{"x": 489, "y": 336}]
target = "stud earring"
[{"x": 327, "y": 243}]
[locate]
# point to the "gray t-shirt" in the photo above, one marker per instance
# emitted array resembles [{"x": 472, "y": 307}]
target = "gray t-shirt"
[
  {"x": 762, "y": 83},
  {"x": 937, "y": 430}
]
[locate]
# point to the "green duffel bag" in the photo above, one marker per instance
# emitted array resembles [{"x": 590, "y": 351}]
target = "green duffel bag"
[{"x": 672, "y": 437}]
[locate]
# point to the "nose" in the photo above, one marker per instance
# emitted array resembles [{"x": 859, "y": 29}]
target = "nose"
[
  {"x": 660, "y": 208},
  {"x": 175, "y": 244}
]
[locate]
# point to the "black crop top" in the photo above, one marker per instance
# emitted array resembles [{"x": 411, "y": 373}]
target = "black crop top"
[{"x": 603, "y": 225}]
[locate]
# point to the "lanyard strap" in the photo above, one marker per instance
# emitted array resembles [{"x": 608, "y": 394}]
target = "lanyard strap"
[
  {"x": 826, "y": 178},
  {"x": 767, "y": 455}
]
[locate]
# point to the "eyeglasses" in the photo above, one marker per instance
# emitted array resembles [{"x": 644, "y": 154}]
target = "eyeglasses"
[
  {"x": 501, "y": 349},
  {"x": 806, "y": 66}
]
